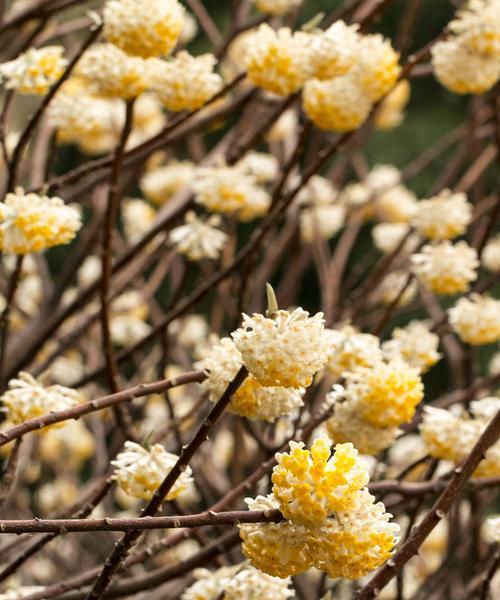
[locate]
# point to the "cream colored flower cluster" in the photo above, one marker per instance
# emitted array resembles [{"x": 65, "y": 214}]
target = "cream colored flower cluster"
[
  {"x": 443, "y": 217},
  {"x": 342, "y": 72},
  {"x": 468, "y": 62},
  {"x": 32, "y": 223},
  {"x": 377, "y": 399},
  {"x": 320, "y": 213},
  {"x": 332, "y": 522},
  {"x": 240, "y": 582},
  {"x": 451, "y": 436},
  {"x": 252, "y": 399},
  {"x": 198, "y": 239},
  {"x": 140, "y": 472},
  {"x": 476, "y": 319},
  {"x": 34, "y": 71},
  {"x": 26, "y": 398},
  {"x": 446, "y": 268},
  {"x": 283, "y": 349}
]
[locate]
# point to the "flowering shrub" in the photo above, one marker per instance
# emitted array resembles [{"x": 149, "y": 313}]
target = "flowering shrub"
[{"x": 249, "y": 299}]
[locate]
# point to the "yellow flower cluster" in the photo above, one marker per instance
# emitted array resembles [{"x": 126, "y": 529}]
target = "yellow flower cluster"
[
  {"x": 331, "y": 522},
  {"x": 415, "y": 344},
  {"x": 32, "y": 223},
  {"x": 143, "y": 28},
  {"x": 252, "y": 399},
  {"x": 285, "y": 350},
  {"x": 311, "y": 485},
  {"x": 26, "y": 398},
  {"x": 468, "y": 61},
  {"x": 451, "y": 437},
  {"x": 35, "y": 71},
  {"x": 139, "y": 472},
  {"x": 446, "y": 268},
  {"x": 476, "y": 319},
  {"x": 444, "y": 216},
  {"x": 375, "y": 401},
  {"x": 184, "y": 83}
]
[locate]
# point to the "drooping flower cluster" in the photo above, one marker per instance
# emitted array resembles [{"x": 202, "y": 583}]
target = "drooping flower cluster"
[
  {"x": 446, "y": 268},
  {"x": 476, "y": 319},
  {"x": 468, "y": 62},
  {"x": 451, "y": 436},
  {"x": 141, "y": 28},
  {"x": 32, "y": 223},
  {"x": 377, "y": 399},
  {"x": 240, "y": 582},
  {"x": 35, "y": 71},
  {"x": 139, "y": 472},
  {"x": 331, "y": 521},
  {"x": 198, "y": 239},
  {"x": 252, "y": 399},
  {"x": 284, "y": 349},
  {"x": 443, "y": 217},
  {"x": 26, "y": 398}
]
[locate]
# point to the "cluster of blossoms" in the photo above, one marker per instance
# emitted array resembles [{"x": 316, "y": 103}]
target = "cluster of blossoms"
[
  {"x": 139, "y": 472},
  {"x": 34, "y": 71},
  {"x": 241, "y": 582},
  {"x": 343, "y": 73},
  {"x": 26, "y": 398},
  {"x": 32, "y": 223},
  {"x": 451, "y": 436},
  {"x": 468, "y": 61},
  {"x": 476, "y": 319},
  {"x": 332, "y": 522}
]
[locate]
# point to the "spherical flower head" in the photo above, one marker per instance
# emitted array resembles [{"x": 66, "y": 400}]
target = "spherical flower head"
[
  {"x": 161, "y": 184},
  {"x": 357, "y": 541},
  {"x": 278, "y": 61},
  {"x": 185, "y": 82},
  {"x": 378, "y": 67},
  {"x": 251, "y": 400},
  {"x": 386, "y": 394},
  {"x": 336, "y": 104},
  {"x": 462, "y": 71},
  {"x": 388, "y": 236},
  {"x": 26, "y": 398},
  {"x": 444, "y": 216},
  {"x": 109, "y": 71},
  {"x": 239, "y": 582},
  {"x": 476, "y": 319},
  {"x": 478, "y": 27},
  {"x": 140, "y": 472},
  {"x": 35, "y": 71},
  {"x": 286, "y": 350},
  {"x": 346, "y": 425},
  {"x": 446, "y": 268},
  {"x": 32, "y": 223},
  {"x": 228, "y": 191},
  {"x": 415, "y": 344},
  {"x": 390, "y": 113},
  {"x": 491, "y": 255},
  {"x": 262, "y": 167},
  {"x": 141, "y": 28},
  {"x": 276, "y": 7},
  {"x": 335, "y": 50},
  {"x": 138, "y": 216},
  {"x": 311, "y": 485},
  {"x": 396, "y": 288},
  {"x": 325, "y": 221},
  {"x": 349, "y": 349},
  {"x": 277, "y": 549},
  {"x": 198, "y": 239},
  {"x": 397, "y": 204}
]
